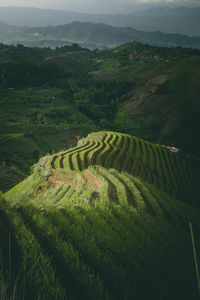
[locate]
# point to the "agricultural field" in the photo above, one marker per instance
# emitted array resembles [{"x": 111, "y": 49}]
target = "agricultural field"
[
  {"x": 106, "y": 219},
  {"x": 176, "y": 175}
]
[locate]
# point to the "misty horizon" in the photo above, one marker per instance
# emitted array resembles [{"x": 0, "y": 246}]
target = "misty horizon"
[{"x": 101, "y": 7}]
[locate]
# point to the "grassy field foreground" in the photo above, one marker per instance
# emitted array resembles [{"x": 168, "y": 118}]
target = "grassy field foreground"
[{"x": 107, "y": 219}]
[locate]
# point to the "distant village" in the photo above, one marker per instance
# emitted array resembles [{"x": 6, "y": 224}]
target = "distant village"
[{"x": 135, "y": 57}]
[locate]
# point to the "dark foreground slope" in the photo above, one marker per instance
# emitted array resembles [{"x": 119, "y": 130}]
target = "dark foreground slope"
[{"x": 108, "y": 219}]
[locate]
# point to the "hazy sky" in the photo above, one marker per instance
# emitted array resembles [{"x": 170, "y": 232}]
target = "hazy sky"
[{"x": 108, "y": 6}]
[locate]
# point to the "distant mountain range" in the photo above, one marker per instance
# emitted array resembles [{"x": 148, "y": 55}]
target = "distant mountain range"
[
  {"x": 90, "y": 35},
  {"x": 180, "y": 20}
]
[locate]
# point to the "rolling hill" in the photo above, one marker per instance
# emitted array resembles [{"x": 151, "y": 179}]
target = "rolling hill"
[
  {"x": 102, "y": 35},
  {"x": 107, "y": 219},
  {"x": 163, "y": 96},
  {"x": 92, "y": 35}
]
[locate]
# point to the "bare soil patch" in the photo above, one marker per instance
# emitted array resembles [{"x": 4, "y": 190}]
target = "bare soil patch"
[
  {"x": 92, "y": 180},
  {"x": 134, "y": 106},
  {"x": 76, "y": 179},
  {"x": 159, "y": 79}
]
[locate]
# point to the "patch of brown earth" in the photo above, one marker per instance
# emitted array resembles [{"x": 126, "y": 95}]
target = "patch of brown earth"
[
  {"x": 134, "y": 106},
  {"x": 75, "y": 179},
  {"x": 159, "y": 79},
  {"x": 92, "y": 180},
  {"x": 62, "y": 177},
  {"x": 131, "y": 106},
  {"x": 59, "y": 181}
]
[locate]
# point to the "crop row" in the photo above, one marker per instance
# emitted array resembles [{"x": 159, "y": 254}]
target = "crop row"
[
  {"x": 9, "y": 178},
  {"x": 153, "y": 163}
]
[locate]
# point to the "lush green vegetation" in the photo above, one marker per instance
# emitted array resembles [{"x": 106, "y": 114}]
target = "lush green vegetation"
[
  {"x": 47, "y": 101},
  {"x": 57, "y": 95},
  {"x": 107, "y": 219},
  {"x": 50, "y": 100}
]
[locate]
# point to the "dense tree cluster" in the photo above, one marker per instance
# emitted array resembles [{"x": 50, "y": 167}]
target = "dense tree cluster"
[{"x": 28, "y": 73}]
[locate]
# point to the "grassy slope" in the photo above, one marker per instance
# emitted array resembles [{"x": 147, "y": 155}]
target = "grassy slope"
[
  {"x": 160, "y": 111},
  {"x": 111, "y": 224}
]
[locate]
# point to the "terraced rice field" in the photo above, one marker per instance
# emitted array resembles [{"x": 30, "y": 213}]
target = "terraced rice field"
[
  {"x": 155, "y": 164},
  {"x": 107, "y": 219},
  {"x": 13, "y": 149}
]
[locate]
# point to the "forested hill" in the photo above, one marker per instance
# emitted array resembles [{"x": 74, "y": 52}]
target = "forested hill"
[
  {"x": 50, "y": 98},
  {"x": 104, "y": 35},
  {"x": 91, "y": 35}
]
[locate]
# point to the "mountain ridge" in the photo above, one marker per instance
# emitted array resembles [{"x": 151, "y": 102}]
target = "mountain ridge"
[
  {"x": 98, "y": 34},
  {"x": 171, "y": 20}
]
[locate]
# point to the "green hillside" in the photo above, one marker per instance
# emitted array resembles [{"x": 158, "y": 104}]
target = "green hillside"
[
  {"x": 9, "y": 177},
  {"x": 107, "y": 219},
  {"x": 50, "y": 98},
  {"x": 153, "y": 163},
  {"x": 162, "y": 104}
]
